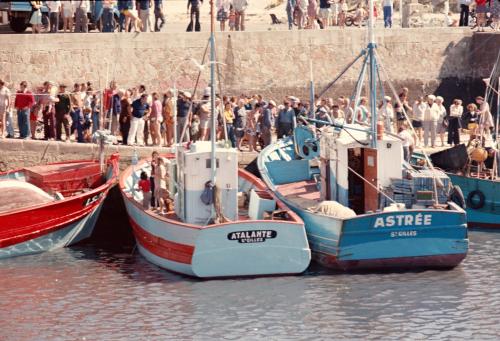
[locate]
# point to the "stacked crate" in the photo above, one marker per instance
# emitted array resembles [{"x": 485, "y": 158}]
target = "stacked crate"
[
  {"x": 417, "y": 187},
  {"x": 423, "y": 181}
]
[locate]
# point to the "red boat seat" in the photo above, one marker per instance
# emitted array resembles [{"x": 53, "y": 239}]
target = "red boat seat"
[{"x": 66, "y": 178}]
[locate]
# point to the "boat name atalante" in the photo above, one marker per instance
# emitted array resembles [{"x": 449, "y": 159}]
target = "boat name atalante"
[
  {"x": 404, "y": 220},
  {"x": 255, "y": 236}
]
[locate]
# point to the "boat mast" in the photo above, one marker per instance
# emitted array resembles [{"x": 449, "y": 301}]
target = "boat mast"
[
  {"x": 213, "y": 161},
  {"x": 373, "y": 75}
]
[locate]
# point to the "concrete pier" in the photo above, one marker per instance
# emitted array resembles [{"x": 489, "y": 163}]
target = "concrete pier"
[{"x": 16, "y": 153}]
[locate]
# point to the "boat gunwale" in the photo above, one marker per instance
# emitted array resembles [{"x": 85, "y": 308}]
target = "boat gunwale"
[
  {"x": 100, "y": 189},
  {"x": 294, "y": 217},
  {"x": 275, "y": 189}
]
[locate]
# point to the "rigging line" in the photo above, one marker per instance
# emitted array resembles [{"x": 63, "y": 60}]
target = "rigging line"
[
  {"x": 342, "y": 73},
  {"x": 490, "y": 79},
  {"x": 221, "y": 105},
  {"x": 391, "y": 86},
  {"x": 181, "y": 138},
  {"x": 369, "y": 183},
  {"x": 361, "y": 143},
  {"x": 358, "y": 89}
]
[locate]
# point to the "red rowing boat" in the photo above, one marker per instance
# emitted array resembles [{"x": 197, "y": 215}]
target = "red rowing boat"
[{"x": 52, "y": 206}]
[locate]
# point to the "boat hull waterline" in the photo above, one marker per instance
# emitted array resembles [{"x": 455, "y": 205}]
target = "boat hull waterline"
[
  {"x": 56, "y": 224},
  {"x": 408, "y": 239},
  {"x": 241, "y": 248}
]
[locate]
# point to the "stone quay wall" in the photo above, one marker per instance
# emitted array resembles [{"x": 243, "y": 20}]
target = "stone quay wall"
[
  {"x": 270, "y": 62},
  {"x": 16, "y": 153}
]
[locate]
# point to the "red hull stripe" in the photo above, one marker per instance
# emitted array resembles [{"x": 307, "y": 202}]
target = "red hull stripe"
[
  {"x": 45, "y": 224},
  {"x": 473, "y": 224},
  {"x": 437, "y": 261},
  {"x": 176, "y": 252}
]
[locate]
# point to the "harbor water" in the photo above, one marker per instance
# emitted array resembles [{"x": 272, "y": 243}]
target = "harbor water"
[{"x": 100, "y": 291}]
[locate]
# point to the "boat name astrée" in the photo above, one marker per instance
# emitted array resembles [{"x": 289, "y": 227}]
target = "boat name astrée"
[
  {"x": 254, "y": 236},
  {"x": 404, "y": 220}
]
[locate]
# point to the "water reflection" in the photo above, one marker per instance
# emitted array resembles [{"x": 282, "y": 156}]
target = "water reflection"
[{"x": 91, "y": 293}]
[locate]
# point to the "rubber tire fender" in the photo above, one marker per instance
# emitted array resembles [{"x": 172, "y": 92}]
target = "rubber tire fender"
[{"x": 481, "y": 198}]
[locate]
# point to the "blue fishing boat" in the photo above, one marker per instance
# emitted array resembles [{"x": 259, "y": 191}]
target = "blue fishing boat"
[
  {"x": 362, "y": 206},
  {"x": 479, "y": 183},
  {"x": 350, "y": 224}
]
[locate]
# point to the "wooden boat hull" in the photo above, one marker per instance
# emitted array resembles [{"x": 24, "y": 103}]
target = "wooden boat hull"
[
  {"x": 56, "y": 224},
  {"x": 210, "y": 251},
  {"x": 362, "y": 243}
]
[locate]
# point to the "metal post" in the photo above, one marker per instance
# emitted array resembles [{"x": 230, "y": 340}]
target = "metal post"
[
  {"x": 212, "y": 92},
  {"x": 373, "y": 76}
]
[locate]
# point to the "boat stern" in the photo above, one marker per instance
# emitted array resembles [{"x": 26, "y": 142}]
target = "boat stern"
[
  {"x": 406, "y": 239},
  {"x": 251, "y": 248}
]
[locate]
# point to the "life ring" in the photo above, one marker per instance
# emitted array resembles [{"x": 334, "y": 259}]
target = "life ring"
[
  {"x": 473, "y": 202},
  {"x": 457, "y": 196}
]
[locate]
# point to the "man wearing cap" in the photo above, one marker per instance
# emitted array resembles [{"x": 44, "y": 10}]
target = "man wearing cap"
[
  {"x": 324, "y": 116},
  {"x": 140, "y": 112},
  {"x": 183, "y": 116},
  {"x": 431, "y": 117},
  {"x": 284, "y": 122},
  {"x": 63, "y": 108},
  {"x": 267, "y": 122}
]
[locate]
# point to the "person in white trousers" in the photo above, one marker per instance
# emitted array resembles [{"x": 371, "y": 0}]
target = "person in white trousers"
[
  {"x": 140, "y": 112},
  {"x": 431, "y": 117}
]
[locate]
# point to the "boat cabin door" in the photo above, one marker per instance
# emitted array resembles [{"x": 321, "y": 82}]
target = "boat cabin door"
[{"x": 371, "y": 183}]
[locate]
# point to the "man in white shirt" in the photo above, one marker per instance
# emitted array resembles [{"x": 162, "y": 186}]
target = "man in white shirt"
[
  {"x": 54, "y": 9},
  {"x": 81, "y": 20},
  {"x": 388, "y": 7},
  {"x": 408, "y": 142},
  {"x": 240, "y": 7}
]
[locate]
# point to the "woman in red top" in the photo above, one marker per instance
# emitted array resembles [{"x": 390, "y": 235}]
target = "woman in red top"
[
  {"x": 23, "y": 103},
  {"x": 481, "y": 10},
  {"x": 145, "y": 188}
]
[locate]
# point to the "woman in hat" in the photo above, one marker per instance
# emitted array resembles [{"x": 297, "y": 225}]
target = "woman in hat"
[
  {"x": 442, "y": 123},
  {"x": 168, "y": 119}
]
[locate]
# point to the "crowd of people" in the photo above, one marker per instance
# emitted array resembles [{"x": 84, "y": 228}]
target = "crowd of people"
[
  {"x": 138, "y": 117},
  {"x": 311, "y": 14},
  {"x": 136, "y": 15}
]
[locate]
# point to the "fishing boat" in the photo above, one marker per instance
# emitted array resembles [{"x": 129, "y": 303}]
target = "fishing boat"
[
  {"x": 475, "y": 171},
  {"x": 51, "y": 206},
  {"x": 224, "y": 222},
  {"x": 475, "y": 167},
  {"x": 364, "y": 208}
]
